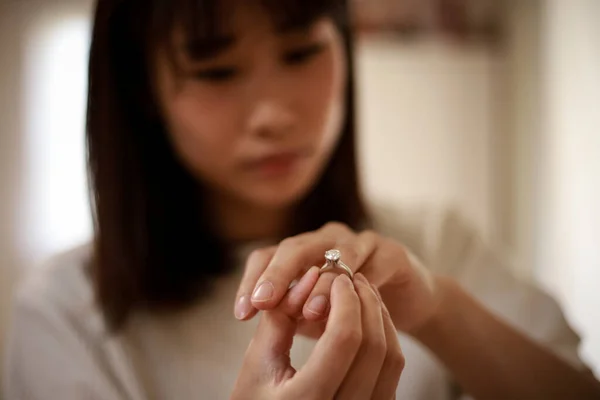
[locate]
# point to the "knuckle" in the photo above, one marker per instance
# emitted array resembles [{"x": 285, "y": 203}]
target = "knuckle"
[
  {"x": 335, "y": 226},
  {"x": 260, "y": 255},
  {"x": 394, "y": 246},
  {"x": 395, "y": 359},
  {"x": 391, "y": 251},
  {"x": 369, "y": 234},
  {"x": 387, "y": 243}
]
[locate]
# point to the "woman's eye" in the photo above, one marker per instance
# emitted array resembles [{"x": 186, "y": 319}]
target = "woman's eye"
[
  {"x": 220, "y": 74},
  {"x": 303, "y": 54}
]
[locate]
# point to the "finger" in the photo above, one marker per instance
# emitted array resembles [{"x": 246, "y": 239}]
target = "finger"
[
  {"x": 296, "y": 297},
  {"x": 393, "y": 365},
  {"x": 257, "y": 262},
  {"x": 334, "y": 352},
  {"x": 354, "y": 253},
  {"x": 310, "y": 329},
  {"x": 363, "y": 375},
  {"x": 268, "y": 353},
  {"x": 292, "y": 258},
  {"x": 317, "y": 307}
]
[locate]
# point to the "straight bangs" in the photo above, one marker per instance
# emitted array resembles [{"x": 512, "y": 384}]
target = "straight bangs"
[{"x": 204, "y": 25}]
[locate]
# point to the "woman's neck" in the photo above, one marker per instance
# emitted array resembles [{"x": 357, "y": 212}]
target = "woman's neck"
[{"x": 238, "y": 221}]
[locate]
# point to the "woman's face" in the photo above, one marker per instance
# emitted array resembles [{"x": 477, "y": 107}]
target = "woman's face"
[{"x": 258, "y": 122}]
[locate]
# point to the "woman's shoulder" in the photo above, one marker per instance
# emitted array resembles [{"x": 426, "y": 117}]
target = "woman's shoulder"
[{"x": 58, "y": 287}]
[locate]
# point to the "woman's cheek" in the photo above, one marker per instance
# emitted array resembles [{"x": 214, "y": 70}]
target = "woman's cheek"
[
  {"x": 213, "y": 115},
  {"x": 204, "y": 132},
  {"x": 211, "y": 101}
]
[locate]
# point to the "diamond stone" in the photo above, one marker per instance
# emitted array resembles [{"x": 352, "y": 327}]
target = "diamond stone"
[{"x": 332, "y": 255}]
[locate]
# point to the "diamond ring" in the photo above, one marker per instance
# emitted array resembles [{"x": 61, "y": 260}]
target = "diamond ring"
[{"x": 333, "y": 260}]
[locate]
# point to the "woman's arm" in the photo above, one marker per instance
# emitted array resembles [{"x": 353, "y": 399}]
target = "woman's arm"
[{"x": 491, "y": 360}]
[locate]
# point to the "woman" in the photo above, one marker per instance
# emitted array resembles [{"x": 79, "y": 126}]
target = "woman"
[{"x": 220, "y": 128}]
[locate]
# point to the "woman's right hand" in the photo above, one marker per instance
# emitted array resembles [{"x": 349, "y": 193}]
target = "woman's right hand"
[{"x": 357, "y": 357}]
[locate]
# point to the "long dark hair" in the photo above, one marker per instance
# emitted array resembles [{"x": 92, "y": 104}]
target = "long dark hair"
[{"x": 154, "y": 248}]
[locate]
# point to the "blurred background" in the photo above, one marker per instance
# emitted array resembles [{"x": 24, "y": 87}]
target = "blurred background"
[{"x": 486, "y": 105}]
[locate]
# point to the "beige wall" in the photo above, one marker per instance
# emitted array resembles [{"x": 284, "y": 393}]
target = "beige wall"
[{"x": 428, "y": 124}]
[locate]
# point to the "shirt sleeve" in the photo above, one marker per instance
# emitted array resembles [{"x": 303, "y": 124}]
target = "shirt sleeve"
[{"x": 454, "y": 248}]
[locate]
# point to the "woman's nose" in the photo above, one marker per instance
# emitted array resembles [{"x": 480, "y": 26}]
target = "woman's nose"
[{"x": 271, "y": 120}]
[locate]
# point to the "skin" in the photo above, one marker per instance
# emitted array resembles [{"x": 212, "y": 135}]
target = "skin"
[{"x": 258, "y": 141}]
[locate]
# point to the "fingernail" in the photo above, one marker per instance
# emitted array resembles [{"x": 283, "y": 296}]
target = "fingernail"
[
  {"x": 243, "y": 307},
  {"x": 318, "y": 305},
  {"x": 264, "y": 292}
]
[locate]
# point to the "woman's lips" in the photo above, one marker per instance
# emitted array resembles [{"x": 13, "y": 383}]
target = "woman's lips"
[{"x": 276, "y": 165}]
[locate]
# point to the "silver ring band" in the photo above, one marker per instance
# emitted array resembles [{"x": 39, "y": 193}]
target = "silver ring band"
[{"x": 333, "y": 261}]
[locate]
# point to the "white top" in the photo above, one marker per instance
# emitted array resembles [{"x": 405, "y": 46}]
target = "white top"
[{"x": 59, "y": 347}]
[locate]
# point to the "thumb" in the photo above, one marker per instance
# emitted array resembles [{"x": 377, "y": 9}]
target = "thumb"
[
  {"x": 276, "y": 329},
  {"x": 269, "y": 351}
]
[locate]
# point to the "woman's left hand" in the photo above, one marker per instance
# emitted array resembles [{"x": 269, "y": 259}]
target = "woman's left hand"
[{"x": 408, "y": 290}]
